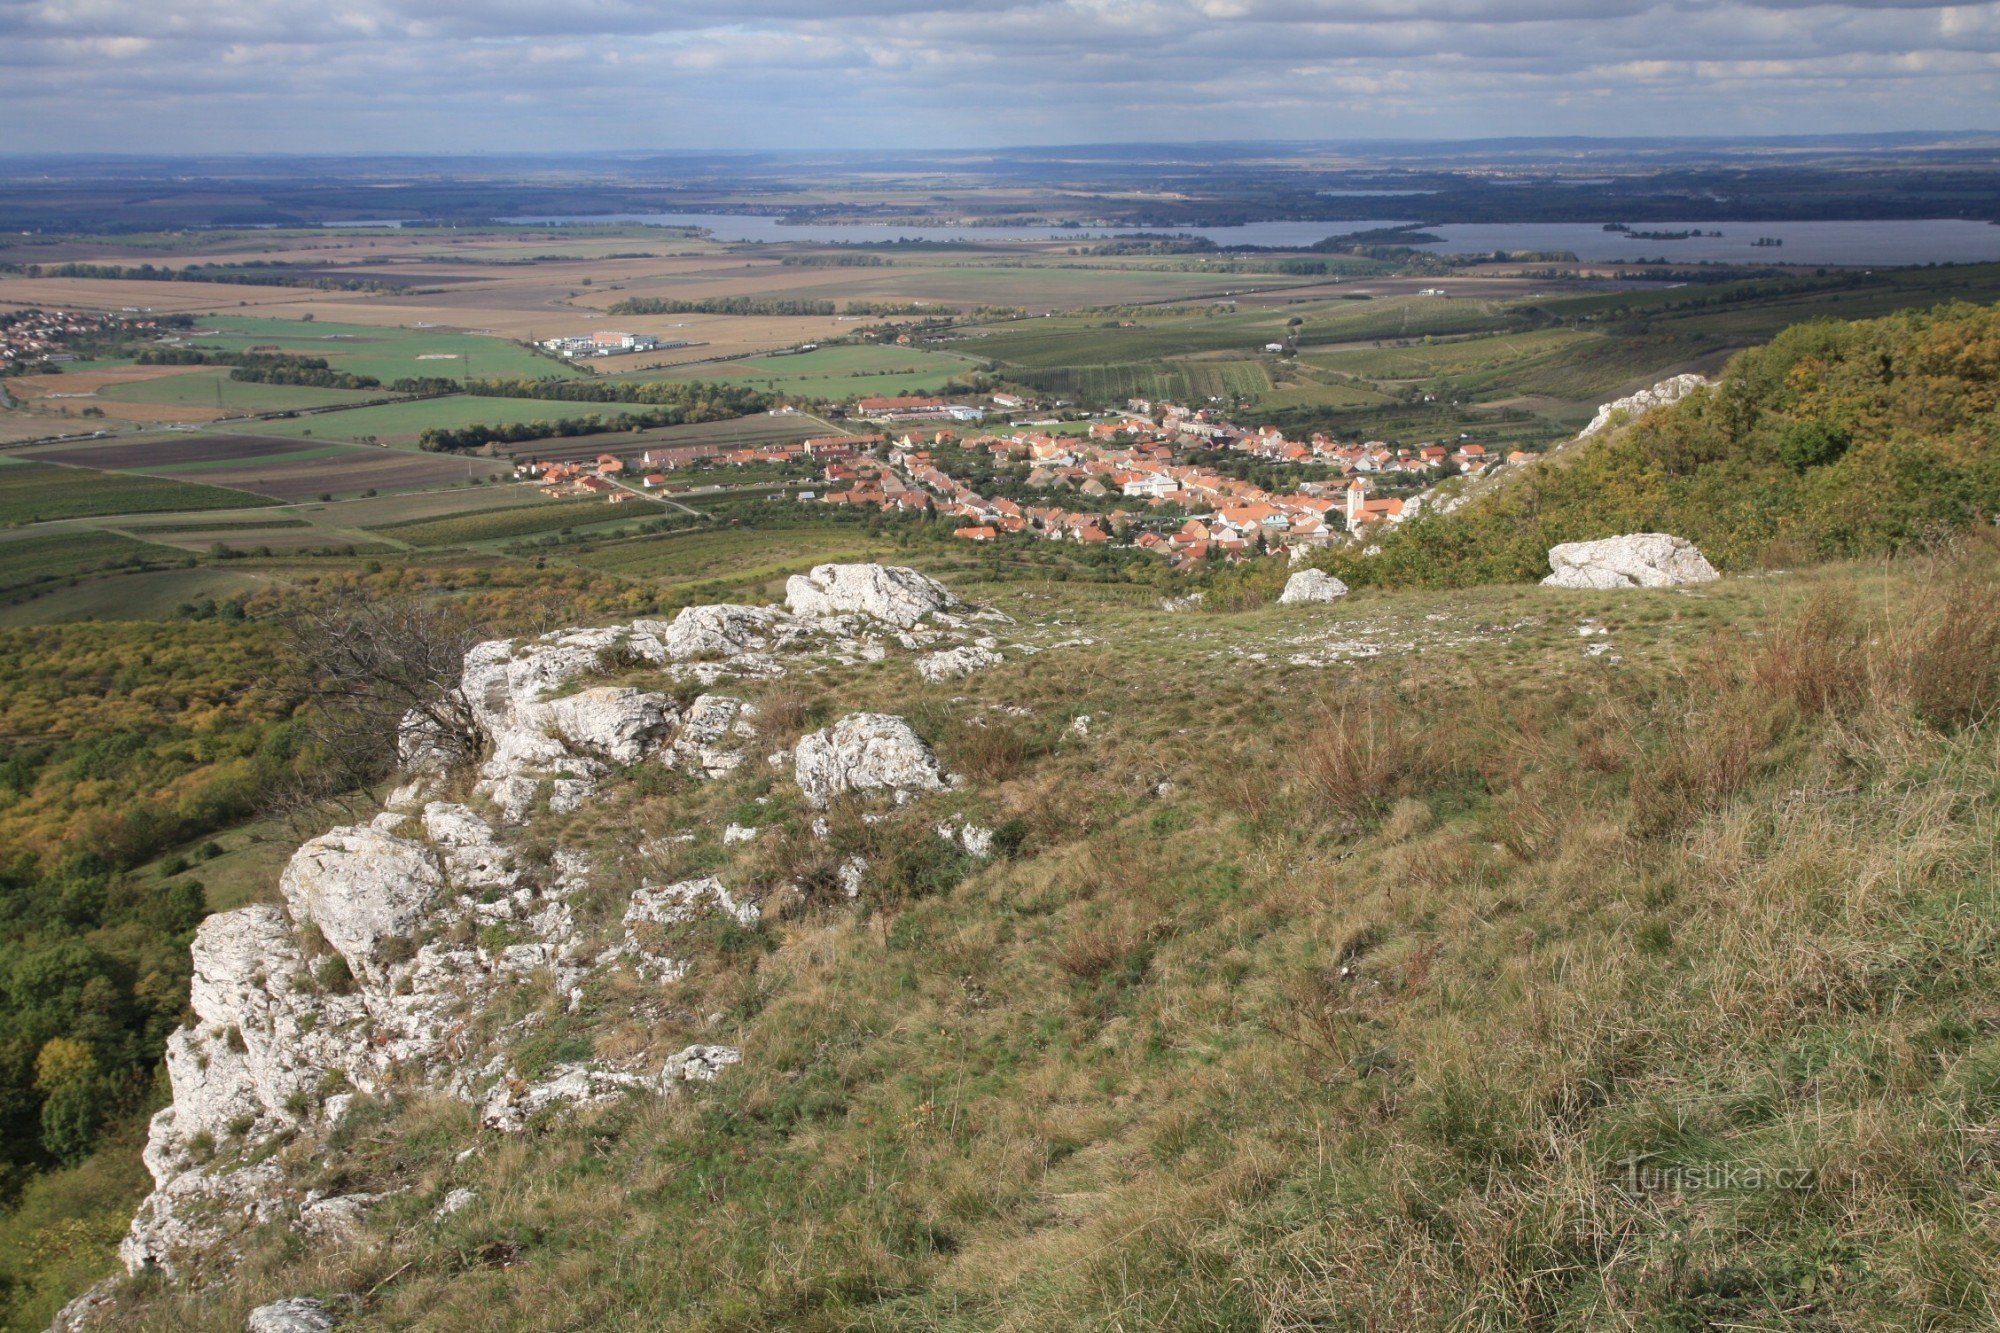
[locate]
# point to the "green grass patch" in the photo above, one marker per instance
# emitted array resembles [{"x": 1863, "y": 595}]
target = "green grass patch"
[{"x": 37, "y": 492}]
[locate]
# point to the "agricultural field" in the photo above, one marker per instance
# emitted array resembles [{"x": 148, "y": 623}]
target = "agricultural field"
[
  {"x": 34, "y": 491},
  {"x": 207, "y": 387},
  {"x": 859, "y": 371},
  {"x": 737, "y": 432},
  {"x": 387, "y": 353},
  {"x": 1037, "y": 283},
  {"x": 279, "y": 468},
  {"x": 748, "y": 563},
  {"x": 32, "y": 563},
  {"x": 402, "y": 423},
  {"x": 153, "y": 594},
  {"x": 527, "y": 520}
]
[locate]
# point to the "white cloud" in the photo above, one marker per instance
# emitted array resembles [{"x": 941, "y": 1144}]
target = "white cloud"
[{"x": 416, "y": 75}]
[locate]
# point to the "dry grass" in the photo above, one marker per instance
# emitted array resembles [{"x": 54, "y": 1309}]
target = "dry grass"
[{"x": 1369, "y": 1023}]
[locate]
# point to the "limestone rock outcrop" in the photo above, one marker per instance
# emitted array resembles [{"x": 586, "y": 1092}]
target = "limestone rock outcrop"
[
  {"x": 398, "y": 939},
  {"x": 1638, "y": 404},
  {"x": 362, "y": 887},
  {"x": 1636, "y": 560},
  {"x": 1310, "y": 586},
  {"x": 301, "y": 1314},
  {"x": 720, "y": 631},
  {"x": 956, "y": 663},
  {"x": 867, "y": 753},
  {"x": 889, "y": 593}
]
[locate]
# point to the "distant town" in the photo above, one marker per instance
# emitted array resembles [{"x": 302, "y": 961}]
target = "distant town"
[{"x": 1153, "y": 476}]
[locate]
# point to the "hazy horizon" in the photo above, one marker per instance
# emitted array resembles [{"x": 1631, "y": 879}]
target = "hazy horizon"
[{"x": 390, "y": 76}]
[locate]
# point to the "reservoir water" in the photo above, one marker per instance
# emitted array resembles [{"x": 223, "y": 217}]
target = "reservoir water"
[{"x": 1923, "y": 241}]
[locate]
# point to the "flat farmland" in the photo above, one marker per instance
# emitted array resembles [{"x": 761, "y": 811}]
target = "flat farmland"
[
  {"x": 1036, "y": 286},
  {"x": 29, "y": 562},
  {"x": 402, "y": 423},
  {"x": 128, "y": 594},
  {"x": 861, "y": 370},
  {"x": 100, "y": 389},
  {"x": 386, "y": 353},
  {"x": 738, "y": 432},
  {"x": 38, "y": 491},
  {"x": 747, "y": 562},
  {"x": 503, "y": 524},
  {"x": 210, "y": 389},
  {"x": 112, "y": 295},
  {"x": 358, "y": 514},
  {"x": 278, "y": 468}
]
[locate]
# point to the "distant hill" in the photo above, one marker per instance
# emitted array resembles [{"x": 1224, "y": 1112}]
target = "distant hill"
[{"x": 1838, "y": 439}]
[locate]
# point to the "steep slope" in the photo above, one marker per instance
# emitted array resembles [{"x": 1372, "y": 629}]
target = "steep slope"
[
  {"x": 1836, "y": 440},
  {"x": 1517, "y": 957}
]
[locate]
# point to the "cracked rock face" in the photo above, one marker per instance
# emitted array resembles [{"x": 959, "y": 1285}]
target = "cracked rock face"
[
  {"x": 720, "y": 631},
  {"x": 1637, "y": 560},
  {"x": 1310, "y": 586},
  {"x": 865, "y": 753},
  {"x": 361, "y": 886},
  {"x": 889, "y": 593}
]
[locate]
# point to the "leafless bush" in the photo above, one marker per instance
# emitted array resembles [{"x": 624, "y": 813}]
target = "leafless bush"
[{"x": 380, "y": 675}]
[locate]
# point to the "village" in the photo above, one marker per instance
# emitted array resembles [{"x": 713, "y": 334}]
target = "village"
[{"x": 1128, "y": 479}]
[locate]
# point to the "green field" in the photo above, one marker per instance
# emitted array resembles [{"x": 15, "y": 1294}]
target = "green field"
[
  {"x": 742, "y": 562},
  {"x": 386, "y": 353},
  {"x": 37, "y": 492},
  {"x": 395, "y": 422},
  {"x": 214, "y": 388},
  {"x": 140, "y": 595},
  {"x": 58, "y": 554},
  {"x": 859, "y": 371},
  {"x": 500, "y": 524}
]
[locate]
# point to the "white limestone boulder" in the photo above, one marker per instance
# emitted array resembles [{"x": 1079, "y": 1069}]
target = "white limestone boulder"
[
  {"x": 889, "y": 593},
  {"x": 712, "y": 735},
  {"x": 957, "y": 663},
  {"x": 865, "y": 753},
  {"x": 698, "y": 1064},
  {"x": 474, "y": 859},
  {"x": 1636, "y": 560},
  {"x": 1310, "y": 587},
  {"x": 615, "y": 723},
  {"x": 720, "y": 631},
  {"x": 301, "y": 1314},
  {"x": 362, "y": 887}
]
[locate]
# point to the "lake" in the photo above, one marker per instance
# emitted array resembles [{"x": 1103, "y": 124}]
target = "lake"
[{"x": 1924, "y": 241}]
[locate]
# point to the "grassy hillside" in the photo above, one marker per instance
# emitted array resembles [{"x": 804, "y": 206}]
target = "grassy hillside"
[
  {"x": 1835, "y": 440},
  {"x": 1405, "y": 964}
]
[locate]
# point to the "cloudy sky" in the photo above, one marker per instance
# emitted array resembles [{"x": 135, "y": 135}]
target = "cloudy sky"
[{"x": 534, "y": 75}]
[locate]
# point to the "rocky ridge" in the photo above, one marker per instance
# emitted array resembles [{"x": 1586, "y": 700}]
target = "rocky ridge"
[
  {"x": 1645, "y": 400},
  {"x": 397, "y": 938}
]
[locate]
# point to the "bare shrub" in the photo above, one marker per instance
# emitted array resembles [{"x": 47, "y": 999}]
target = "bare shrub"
[{"x": 380, "y": 674}]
